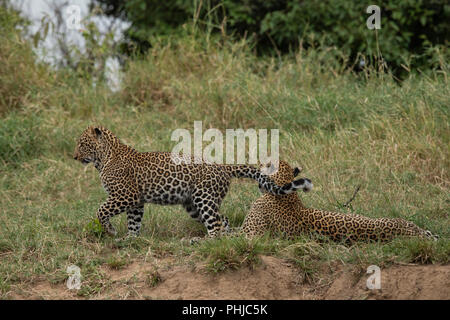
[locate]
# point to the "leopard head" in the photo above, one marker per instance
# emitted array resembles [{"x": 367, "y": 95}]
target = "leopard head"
[
  {"x": 281, "y": 173},
  {"x": 87, "y": 147},
  {"x": 95, "y": 144}
]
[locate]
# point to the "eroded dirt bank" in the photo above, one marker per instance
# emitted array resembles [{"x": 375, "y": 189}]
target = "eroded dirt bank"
[{"x": 273, "y": 279}]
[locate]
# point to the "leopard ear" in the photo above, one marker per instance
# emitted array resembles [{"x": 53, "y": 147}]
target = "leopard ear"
[
  {"x": 97, "y": 131},
  {"x": 297, "y": 171}
]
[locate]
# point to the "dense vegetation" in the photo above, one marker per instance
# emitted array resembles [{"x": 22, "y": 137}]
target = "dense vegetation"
[
  {"x": 410, "y": 29},
  {"x": 345, "y": 129}
]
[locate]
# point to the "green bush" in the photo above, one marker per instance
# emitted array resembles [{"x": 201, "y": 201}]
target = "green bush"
[{"x": 408, "y": 27}]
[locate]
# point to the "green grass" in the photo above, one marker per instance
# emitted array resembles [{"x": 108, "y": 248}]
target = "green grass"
[{"x": 343, "y": 129}]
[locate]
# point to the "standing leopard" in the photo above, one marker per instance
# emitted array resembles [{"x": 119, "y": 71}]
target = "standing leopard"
[
  {"x": 287, "y": 215},
  {"x": 133, "y": 178}
]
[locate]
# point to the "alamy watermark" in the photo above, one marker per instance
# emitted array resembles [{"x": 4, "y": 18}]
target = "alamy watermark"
[
  {"x": 374, "y": 20},
  {"x": 234, "y": 145},
  {"x": 74, "y": 280},
  {"x": 374, "y": 281},
  {"x": 73, "y": 17}
]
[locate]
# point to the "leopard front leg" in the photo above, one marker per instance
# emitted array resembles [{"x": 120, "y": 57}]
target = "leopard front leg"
[
  {"x": 107, "y": 210},
  {"x": 134, "y": 218},
  {"x": 115, "y": 205}
]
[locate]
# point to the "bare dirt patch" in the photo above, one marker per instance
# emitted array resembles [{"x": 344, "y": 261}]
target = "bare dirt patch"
[
  {"x": 407, "y": 282},
  {"x": 273, "y": 278}
]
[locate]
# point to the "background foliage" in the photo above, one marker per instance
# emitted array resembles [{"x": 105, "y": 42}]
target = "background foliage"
[{"x": 409, "y": 28}]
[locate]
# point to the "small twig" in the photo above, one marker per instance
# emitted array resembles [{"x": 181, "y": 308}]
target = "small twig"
[{"x": 353, "y": 197}]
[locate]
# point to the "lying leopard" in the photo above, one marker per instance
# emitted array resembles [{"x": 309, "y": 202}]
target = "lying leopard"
[
  {"x": 286, "y": 214},
  {"x": 133, "y": 178}
]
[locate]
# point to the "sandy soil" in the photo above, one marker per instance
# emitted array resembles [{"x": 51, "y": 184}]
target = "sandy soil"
[{"x": 272, "y": 279}]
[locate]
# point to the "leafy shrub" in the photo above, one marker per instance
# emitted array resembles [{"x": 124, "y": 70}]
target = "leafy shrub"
[
  {"x": 20, "y": 77},
  {"x": 408, "y": 27}
]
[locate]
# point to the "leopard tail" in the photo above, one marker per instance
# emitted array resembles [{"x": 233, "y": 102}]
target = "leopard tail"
[{"x": 265, "y": 182}]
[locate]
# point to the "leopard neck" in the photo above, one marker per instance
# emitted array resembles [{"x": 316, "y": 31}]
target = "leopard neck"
[{"x": 108, "y": 147}]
